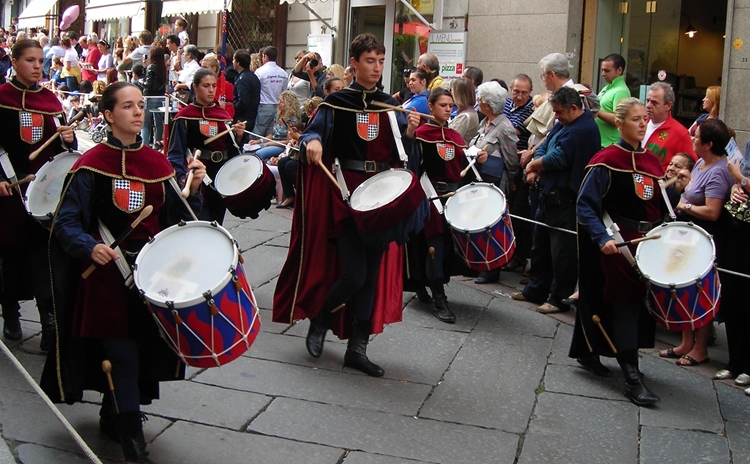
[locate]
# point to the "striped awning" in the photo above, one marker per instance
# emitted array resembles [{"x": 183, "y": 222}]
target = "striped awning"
[
  {"x": 35, "y": 13},
  {"x": 100, "y": 10},
  {"x": 183, "y": 7},
  {"x": 303, "y": 1}
]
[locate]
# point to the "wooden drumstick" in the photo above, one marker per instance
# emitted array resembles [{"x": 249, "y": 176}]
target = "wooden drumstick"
[
  {"x": 219, "y": 135},
  {"x": 598, "y": 322},
  {"x": 191, "y": 173},
  {"x": 398, "y": 108},
  {"x": 445, "y": 195},
  {"x": 25, "y": 180},
  {"x": 338, "y": 308},
  {"x": 466, "y": 169},
  {"x": 638, "y": 240},
  {"x": 431, "y": 250},
  {"x": 72, "y": 124},
  {"x": 144, "y": 214},
  {"x": 328, "y": 173},
  {"x": 107, "y": 368}
]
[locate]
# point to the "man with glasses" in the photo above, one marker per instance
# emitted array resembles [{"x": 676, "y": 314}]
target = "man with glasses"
[{"x": 613, "y": 68}]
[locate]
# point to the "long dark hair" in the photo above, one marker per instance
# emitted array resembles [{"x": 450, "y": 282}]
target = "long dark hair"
[{"x": 160, "y": 66}]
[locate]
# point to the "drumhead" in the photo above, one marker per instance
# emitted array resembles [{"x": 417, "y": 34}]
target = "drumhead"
[
  {"x": 184, "y": 261},
  {"x": 475, "y": 207},
  {"x": 683, "y": 254},
  {"x": 45, "y": 190},
  {"x": 238, "y": 174},
  {"x": 380, "y": 189}
]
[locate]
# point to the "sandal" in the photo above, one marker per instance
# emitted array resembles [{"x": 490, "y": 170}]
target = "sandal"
[
  {"x": 669, "y": 354},
  {"x": 691, "y": 362}
]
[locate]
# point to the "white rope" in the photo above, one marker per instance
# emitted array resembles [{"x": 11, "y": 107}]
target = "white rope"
[{"x": 88, "y": 451}]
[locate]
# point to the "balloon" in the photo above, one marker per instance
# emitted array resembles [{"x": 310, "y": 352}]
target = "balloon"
[{"x": 68, "y": 16}]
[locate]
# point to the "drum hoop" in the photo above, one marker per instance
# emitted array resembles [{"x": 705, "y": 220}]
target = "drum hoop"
[
  {"x": 687, "y": 283},
  {"x": 370, "y": 181},
  {"x": 217, "y": 178},
  {"x": 43, "y": 170},
  {"x": 198, "y": 299},
  {"x": 489, "y": 226}
]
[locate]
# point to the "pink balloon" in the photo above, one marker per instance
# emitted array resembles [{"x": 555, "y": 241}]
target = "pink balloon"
[{"x": 68, "y": 16}]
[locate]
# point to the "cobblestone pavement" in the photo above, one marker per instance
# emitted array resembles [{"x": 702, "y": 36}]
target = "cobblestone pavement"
[{"x": 496, "y": 387}]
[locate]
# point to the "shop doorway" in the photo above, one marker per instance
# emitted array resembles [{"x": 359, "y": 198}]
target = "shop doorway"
[{"x": 372, "y": 16}]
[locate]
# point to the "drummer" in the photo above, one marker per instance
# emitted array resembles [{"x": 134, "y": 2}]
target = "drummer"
[
  {"x": 329, "y": 267},
  {"x": 438, "y": 152},
  {"x": 30, "y": 116},
  {"x": 197, "y": 122},
  {"x": 622, "y": 181},
  {"x": 99, "y": 317}
]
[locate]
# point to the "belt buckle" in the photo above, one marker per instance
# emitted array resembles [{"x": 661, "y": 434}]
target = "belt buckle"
[
  {"x": 441, "y": 187},
  {"x": 644, "y": 227},
  {"x": 370, "y": 166},
  {"x": 217, "y": 156}
]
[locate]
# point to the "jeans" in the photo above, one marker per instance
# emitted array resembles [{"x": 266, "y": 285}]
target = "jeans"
[
  {"x": 266, "y": 153},
  {"x": 156, "y": 118},
  {"x": 265, "y": 120},
  {"x": 288, "y": 175},
  {"x": 72, "y": 83}
]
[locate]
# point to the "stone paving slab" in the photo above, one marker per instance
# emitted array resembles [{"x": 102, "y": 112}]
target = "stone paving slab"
[
  {"x": 264, "y": 295},
  {"x": 285, "y": 380},
  {"x": 35, "y": 454},
  {"x": 502, "y": 317},
  {"x": 266, "y": 323},
  {"x": 561, "y": 346},
  {"x": 267, "y": 220},
  {"x": 193, "y": 443},
  {"x": 280, "y": 240},
  {"x": 10, "y": 379},
  {"x": 688, "y": 401},
  {"x": 738, "y": 435},
  {"x": 262, "y": 264},
  {"x": 573, "y": 429},
  {"x": 735, "y": 405},
  {"x": 29, "y": 329},
  {"x": 415, "y": 354},
  {"x": 249, "y": 239},
  {"x": 6, "y": 456},
  {"x": 205, "y": 404},
  {"x": 291, "y": 350},
  {"x": 358, "y": 457},
  {"x": 491, "y": 382},
  {"x": 577, "y": 381},
  {"x": 387, "y": 434},
  {"x": 660, "y": 445},
  {"x": 419, "y": 314}
]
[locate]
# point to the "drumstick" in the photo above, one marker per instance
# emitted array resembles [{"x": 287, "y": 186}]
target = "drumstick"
[
  {"x": 189, "y": 180},
  {"x": 219, "y": 135},
  {"x": 271, "y": 140},
  {"x": 398, "y": 108},
  {"x": 466, "y": 169},
  {"x": 668, "y": 182},
  {"x": 598, "y": 322},
  {"x": 338, "y": 308},
  {"x": 25, "y": 180},
  {"x": 144, "y": 214},
  {"x": 172, "y": 96},
  {"x": 638, "y": 240},
  {"x": 178, "y": 190},
  {"x": 445, "y": 195},
  {"x": 328, "y": 173},
  {"x": 107, "y": 368},
  {"x": 36, "y": 152}
]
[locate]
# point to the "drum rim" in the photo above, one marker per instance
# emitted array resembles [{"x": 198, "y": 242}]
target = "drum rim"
[
  {"x": 227, "y": 163},
  {"x": 198, "y": 299},
  {"x": 705, "y": 272},
  {"x": 370, "y": 181},
  {"x": 30, "y": 188},
  {"x": 489, "y": 226}
]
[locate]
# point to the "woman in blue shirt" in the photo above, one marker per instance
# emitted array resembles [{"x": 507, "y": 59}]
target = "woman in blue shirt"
[{"x": 418, "y": 86}]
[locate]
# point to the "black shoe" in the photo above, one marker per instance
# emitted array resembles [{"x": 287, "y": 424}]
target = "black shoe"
[
  {"x": 316, "y": 335},
  {"x": 423, "y": 296},
  {"x": 487, "y": 277},
  {"x": 132, "y": 441},
  {"x": 356, "y": 350},
  {"x": 12, "y": 329},
  {"x": 442, "y": 312},
  {"x": 569, "y": 301},
  {"x": 635, "y": 390},
  {"x": 592, "y": 364},
  {"x": 48, "y": 331}
]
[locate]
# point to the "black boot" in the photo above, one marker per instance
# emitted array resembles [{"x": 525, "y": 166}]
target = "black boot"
[
  {"x": 488, "y": 277},
  {"x": 356, "y": 350},
  {"x": 316, "y": 335},
  {"x": 48, "y": 330},
  {"x": 12, "y": 328},
  {"x": 442, "y": 312},
  {"x": 635, "y": 390},
  {"x": 423, "y": 296},
  {"x": 108, "y": 420},
  {"x": 132, "y": 441},
  {"x": 592, "y": 364}
]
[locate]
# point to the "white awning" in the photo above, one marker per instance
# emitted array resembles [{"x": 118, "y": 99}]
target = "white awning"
[
  {"x": 35, "y": 13},
  {"x": 302, "y": 1},
  {"x": 100, "y": 10},
  {"x": 183, "y": 7}
]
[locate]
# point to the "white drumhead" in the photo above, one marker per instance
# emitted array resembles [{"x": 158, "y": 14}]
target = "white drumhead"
[
  {"x": 238, "y": 174},
  {"x": 185, "y": 261},
  {"x": 684, "y": 253},
  {"x": 475, "y": 207},
  {"x": 380, "y": 189},
  {"x": 45, "y": 190}
]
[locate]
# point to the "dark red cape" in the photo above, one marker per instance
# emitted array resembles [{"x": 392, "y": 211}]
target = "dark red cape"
[{"x": 618, "y": 158}]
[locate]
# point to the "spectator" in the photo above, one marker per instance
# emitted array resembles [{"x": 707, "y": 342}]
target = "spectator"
[
  {"x": 336, "y": 70},
  {"x": 418, "y": 88},
  {"x": 224, "y": 90},
  {"x": 57, "y": 69},
  {"x": 466, "y": 121},
  {"x": 664, "y": 135},
  {"x": 246, "y": 90},
  {"x": 288, "y": 114},
  {"x": 154, "y": 88},
  {"x": 185, "y": 77},
  {"x": 679, "y": 166},
  {"x": 73, "y": 36},
  {"x": 175, "y": 59},
  {"x": 180, "y": 27},
  {"x": 46, "y": 46},
  {"x": 430, "y": 63},
  {"x": 613, "y": 69},
  {"x": 308, "y": 68},
  {"x": 405, "y": 93},
  {"x": 140, "y": 54},
  {"x": 349, "y": 76},
  {"x": 300, "y": 87},
  {"x": 711, "y": 103},
  {"x": 90, "y": 68},
  {"x": 71, "y": 70},
  {"x": 273, "y": 80},
  {"x": 106, "y": 60}
]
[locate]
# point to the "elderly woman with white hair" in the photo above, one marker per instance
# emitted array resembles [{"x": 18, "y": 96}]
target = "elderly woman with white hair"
[{"x": 497, "y": 138}]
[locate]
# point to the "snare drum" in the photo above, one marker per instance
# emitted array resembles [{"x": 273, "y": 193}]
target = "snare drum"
[
  {"x": 45, "y": 190},
  {"x": 200, "y": 300},
  {"x": 388, "y": 207},
  {"x": 246, "y": 185},
  {"x": 683, "y": 281},
  {"x": 482, "y": 231}
]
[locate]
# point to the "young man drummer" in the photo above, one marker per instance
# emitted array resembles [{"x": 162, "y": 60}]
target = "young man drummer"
[{"x": 329, "y": 267}]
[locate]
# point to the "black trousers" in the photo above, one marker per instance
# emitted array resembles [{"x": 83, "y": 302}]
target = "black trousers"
[
  {"x": 213, "y": 206},
  {"x": 356, "y": 286},
  {"x": 734, "y": 298},
  {"x": 519, "y": 205},
  {"x": 288, "y": 175},
  {"x": 123, "y": 354}
]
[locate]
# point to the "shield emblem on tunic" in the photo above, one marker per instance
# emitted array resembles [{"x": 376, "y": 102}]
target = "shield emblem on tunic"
[
  {"x": 368, "y": 125},
  {"x": 446, "y": 151},
  {"x": 128, "y": 194},
  {"x": 209, "y": 128},
  {"x": 32, "y": 125},
  {"x": 644, "y": 186}
]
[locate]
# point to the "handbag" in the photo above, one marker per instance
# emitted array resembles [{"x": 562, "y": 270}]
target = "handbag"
[
  {"x": 492, "y": 169},
  {"x": 739, "y": 211}
]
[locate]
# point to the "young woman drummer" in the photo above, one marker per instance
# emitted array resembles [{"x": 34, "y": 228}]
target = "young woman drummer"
[
  {"x": 196, "y": 123},
  {"x": 440, "y": 155},
  {"x": 30, "y": 115},
  {"x": 99, "y": 318}
]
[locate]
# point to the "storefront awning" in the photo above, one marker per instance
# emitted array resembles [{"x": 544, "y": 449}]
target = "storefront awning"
[
  {"x": 35, "y": 13},
  {"x": 303, "y": 1},
  {"x": 100, "y": 10},
  {"x": 183, "y": 7}
]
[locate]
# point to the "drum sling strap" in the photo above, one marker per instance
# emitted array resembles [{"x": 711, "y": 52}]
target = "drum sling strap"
[{"x": 614, "y": 231}]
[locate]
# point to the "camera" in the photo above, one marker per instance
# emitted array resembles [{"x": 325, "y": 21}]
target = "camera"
[{"x": 313, "y": 63}]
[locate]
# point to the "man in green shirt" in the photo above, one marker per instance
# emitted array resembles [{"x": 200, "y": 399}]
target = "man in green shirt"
[{"x": 613, "y": 68}]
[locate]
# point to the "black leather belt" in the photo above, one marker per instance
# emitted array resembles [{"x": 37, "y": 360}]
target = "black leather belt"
[
  {"x": 442, "y": 187},
  {"x": 215, "y": 156},
  {"x": 363, "y": 166},
  {"x": 639, "y": 226}
]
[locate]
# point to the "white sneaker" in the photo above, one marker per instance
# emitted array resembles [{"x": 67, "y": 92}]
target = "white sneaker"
[
  {"x": 747, "y": 391},
  {"x": 742, "y": 380}
]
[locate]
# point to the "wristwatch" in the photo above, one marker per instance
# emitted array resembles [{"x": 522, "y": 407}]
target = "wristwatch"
[
  {"x": 743, "y": 182},
  {"x": 688, "y": 206}
]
